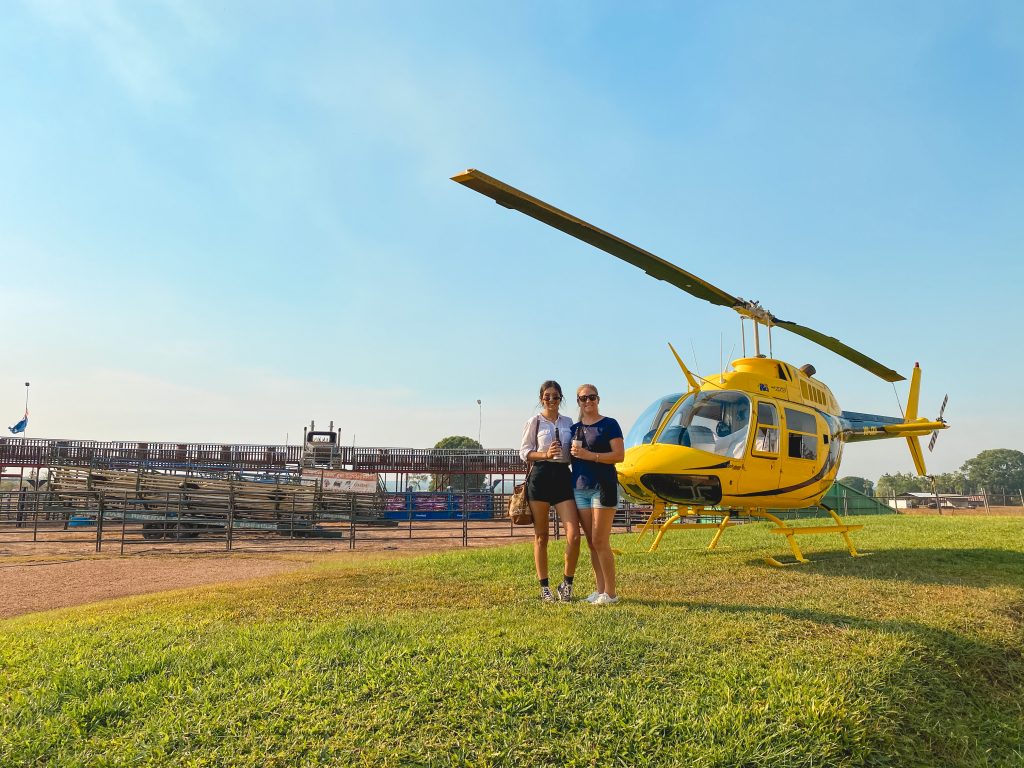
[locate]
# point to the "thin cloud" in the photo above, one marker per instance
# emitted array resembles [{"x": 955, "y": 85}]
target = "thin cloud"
[{"x": 124, "y": 44}]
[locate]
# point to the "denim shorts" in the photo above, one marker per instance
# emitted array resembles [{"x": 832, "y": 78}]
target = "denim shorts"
[{"x": 593, "y": 498}]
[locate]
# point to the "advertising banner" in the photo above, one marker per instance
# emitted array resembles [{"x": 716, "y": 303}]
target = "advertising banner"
[{"x": 345, "y": 480}]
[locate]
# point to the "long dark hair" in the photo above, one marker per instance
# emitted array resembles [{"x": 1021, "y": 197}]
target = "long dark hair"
[{"x": 549, "y": 384}]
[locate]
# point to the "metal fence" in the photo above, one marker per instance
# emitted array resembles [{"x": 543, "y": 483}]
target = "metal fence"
[{"x": 203, "y": 519}]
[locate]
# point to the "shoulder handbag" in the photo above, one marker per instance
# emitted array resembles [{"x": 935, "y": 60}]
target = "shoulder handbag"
[{"x": 519, "y": 505}]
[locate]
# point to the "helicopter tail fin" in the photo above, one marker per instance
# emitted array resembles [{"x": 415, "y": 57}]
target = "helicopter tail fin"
[
  {"x": 915, "y": 392},
  {"x": 913, "y": 443}
]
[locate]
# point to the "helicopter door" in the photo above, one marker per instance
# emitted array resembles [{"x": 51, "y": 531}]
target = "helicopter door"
[
  {"x": 761, "y": 469},
  {"x": 800, "y": 450}
]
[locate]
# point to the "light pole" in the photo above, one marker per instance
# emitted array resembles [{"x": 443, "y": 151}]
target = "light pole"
[{"x": 480, "y": 424}]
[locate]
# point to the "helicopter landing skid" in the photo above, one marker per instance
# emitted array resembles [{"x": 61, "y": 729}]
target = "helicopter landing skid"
[
  {"x": 781, "y": 528},
  {"x": 671, "y": 524},
  {"x": 791, "y": 533}
]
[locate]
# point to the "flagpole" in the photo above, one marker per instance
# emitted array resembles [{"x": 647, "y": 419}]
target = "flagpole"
[{"x": 26, "y": 408}]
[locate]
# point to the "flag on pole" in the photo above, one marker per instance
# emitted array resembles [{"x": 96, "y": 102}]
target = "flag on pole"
[{"x": 21, "y": 425}]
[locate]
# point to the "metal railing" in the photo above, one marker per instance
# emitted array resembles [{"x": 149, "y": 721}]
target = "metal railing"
[
  {"x": 38, "y": 452},
  {"x": 198, "y": 519}
]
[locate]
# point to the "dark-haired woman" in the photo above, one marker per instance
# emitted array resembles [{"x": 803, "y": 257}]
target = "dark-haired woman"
[
  {"x": 596, "y": 448},
  {"x": 546, "y": 443}
]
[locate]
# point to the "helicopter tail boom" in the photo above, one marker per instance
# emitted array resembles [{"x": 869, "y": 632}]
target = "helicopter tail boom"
[{"x": 867, "y": 426}]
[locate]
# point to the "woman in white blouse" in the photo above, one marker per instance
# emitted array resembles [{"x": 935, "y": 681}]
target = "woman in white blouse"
[{"x": 545, "y": 443}]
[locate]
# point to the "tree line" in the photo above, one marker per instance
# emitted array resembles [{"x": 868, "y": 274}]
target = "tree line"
[{"x": 999, "y": 471}]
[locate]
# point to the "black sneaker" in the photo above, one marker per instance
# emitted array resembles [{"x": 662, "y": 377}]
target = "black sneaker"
[
  {"x": 565, "y": 592},
  {"x": 546, "y": 596}
]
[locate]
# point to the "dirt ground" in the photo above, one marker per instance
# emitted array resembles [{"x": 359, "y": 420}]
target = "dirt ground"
[{"x": 63, "y": 570}]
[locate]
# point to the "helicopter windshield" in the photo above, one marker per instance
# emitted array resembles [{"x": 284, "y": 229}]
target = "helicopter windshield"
[
  {"x": 648, "y": 422},
  {"x": 716, "y": 422}
]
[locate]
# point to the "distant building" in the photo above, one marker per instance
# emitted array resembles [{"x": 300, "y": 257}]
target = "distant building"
[{"x": 926, "y": 500}]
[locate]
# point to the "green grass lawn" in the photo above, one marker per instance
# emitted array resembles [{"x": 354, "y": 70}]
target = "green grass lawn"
[{"x": 912, "y": 656}]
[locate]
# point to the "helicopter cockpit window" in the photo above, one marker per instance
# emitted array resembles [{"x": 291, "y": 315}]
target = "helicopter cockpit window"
[
  {"x": 716, "y": 422},
  {"x": 767, "y": 439},
  {"x": 648, "y": 422}
]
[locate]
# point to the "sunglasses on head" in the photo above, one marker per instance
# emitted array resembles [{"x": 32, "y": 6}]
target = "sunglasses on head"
[{"x": 586, "y": 398}]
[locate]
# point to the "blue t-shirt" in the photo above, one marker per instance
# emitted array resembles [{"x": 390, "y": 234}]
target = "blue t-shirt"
[{"x": 597, "y": 437}]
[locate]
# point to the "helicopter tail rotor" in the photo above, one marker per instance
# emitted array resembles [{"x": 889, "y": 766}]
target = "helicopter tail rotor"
[{"x": 935, "y": 434}]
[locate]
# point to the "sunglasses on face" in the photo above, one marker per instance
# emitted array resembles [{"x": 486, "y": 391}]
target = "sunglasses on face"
[
  {"x": 587, "y": 398},
  {"x": 551, "y": 398}
]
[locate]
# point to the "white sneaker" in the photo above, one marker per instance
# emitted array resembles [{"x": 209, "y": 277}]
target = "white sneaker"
[
  {"x": 605, "y": 599},
  {"x": 592, "y": 597}
]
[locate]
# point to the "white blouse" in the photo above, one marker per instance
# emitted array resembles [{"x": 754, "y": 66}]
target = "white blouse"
[{"x": 545, "y": 436}]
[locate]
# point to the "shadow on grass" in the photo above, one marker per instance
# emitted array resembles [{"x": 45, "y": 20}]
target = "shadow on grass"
[
  {"x": 1001, "y": 665},
  {"x": 976, "y": 567}
]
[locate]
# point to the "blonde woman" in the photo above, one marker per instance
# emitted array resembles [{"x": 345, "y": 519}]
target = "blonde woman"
[
  {"x": 546, "y": 443},
  {"x": 597, "y": 447}
]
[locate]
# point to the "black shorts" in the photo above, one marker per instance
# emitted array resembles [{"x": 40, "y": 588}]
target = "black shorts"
[{"x": 550, "y": 481}]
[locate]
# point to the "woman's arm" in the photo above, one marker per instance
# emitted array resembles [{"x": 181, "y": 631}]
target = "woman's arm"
[
  {"x": 528, "y": 444},
  {"x": 617, "y": 454}
]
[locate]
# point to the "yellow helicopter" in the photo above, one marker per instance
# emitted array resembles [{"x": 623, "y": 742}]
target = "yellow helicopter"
[{"x": 764, "y": 435}]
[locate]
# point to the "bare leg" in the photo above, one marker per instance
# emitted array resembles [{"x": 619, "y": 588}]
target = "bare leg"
[
  {"x": 587, "y": 521},
  {"x": 541, "y": 528},
  {"x": 571, "y": 518},
  {"x": 603, "y": 518}
]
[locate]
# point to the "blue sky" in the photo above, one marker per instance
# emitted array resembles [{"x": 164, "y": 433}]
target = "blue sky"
[{"x": 219, "y": 221}]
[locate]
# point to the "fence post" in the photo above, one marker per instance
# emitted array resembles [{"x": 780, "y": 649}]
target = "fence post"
[
  {"x": 231, "y": 515},
  {"x": 938, "y": 501},
  {"x": 99, "y": 523},
  {"x": 35, "y": 519},
  {"x": 352, "y": 521},
  {"x": 124, "y": 519},
  {"x": 984, "y": 495},
  {"x": 1021, "y": 494}
]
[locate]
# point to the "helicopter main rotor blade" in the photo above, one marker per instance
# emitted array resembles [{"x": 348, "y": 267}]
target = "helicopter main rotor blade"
[
  {"x": 510, "y": 197},
  {"x": 516, "y": 199},
  {"x": 835, "y": 345}
]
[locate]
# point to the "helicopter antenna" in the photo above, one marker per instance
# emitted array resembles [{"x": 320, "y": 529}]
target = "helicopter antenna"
[
  {"x": 898, "y": 403},
  {"x": 721, "y": 355},
  {"x": 696, "y": 365}
]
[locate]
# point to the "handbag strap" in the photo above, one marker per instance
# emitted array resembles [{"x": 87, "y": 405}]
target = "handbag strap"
[{"x": 529, "y": 464}]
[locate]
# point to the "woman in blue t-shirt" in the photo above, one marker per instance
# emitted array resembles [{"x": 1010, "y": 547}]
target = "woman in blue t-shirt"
[{"x": 597, "y": 447}]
